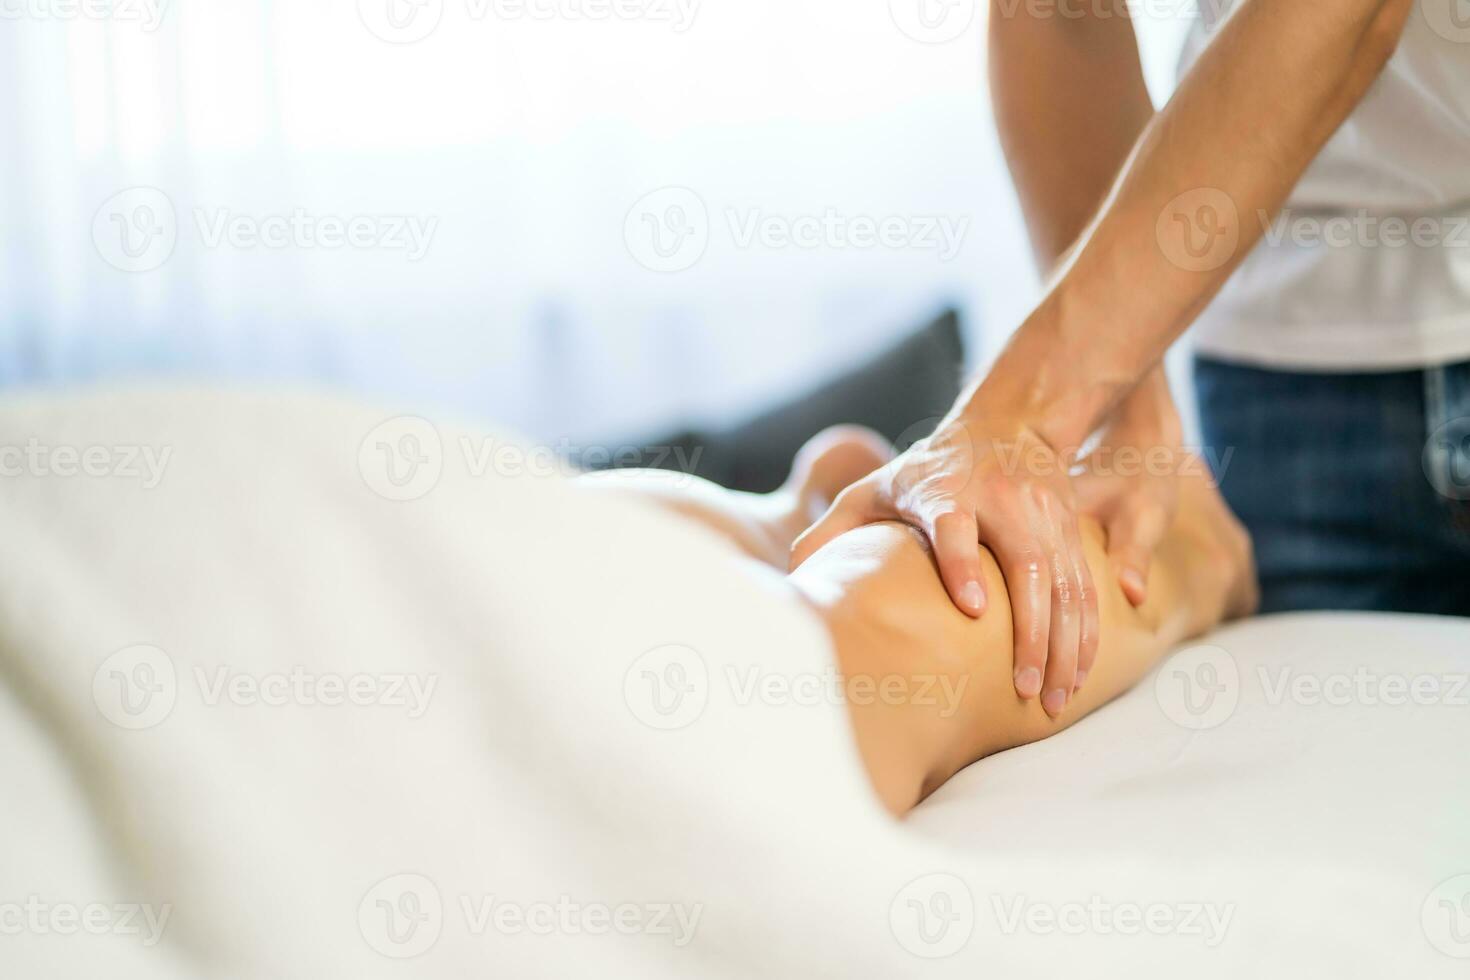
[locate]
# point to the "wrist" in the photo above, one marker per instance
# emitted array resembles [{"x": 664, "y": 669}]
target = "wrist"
[
  {"x": 1050, "y": 380},
  {"x": 1148, "y": 415}
]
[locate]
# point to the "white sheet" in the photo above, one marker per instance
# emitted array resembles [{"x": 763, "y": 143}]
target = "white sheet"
[
  {"x": 270, "y": 833},
  {"x": 1330, "y": 762}
]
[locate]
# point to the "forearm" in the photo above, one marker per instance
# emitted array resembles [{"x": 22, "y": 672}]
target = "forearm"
[
  {"x": 1246, "y": 122},
  {"x": 1070, "y": 102}
]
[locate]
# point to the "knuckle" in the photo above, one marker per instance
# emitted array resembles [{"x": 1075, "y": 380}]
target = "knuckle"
[
  {"x": 1086, "y": 593},
  {"x": 1063, "y": 584},
  {"x": 1031, "y": 569}
]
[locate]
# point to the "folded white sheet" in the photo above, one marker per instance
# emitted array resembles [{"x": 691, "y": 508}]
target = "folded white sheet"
[{"x": 323, "y": 700}]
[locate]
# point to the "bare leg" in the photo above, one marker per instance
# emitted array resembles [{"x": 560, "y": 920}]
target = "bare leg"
[{"x": 892, "y": 622}]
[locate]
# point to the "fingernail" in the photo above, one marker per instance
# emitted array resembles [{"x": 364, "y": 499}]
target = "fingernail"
[
  {"x": 971, "y": 596},
  {"x": 1055, "y": 701},
  {"x": 1081, "y": 676},
  {"x": 1133, "y": 583},
  {"x": 1028, "y": 682}
]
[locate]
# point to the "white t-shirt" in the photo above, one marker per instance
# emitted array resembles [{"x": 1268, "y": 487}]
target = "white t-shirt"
[{"x": 1368, "y": 268}]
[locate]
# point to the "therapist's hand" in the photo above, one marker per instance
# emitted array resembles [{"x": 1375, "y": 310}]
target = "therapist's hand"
[
  {"x": 1003, "y": 486},
  {"x": 1132, "y": 484}
]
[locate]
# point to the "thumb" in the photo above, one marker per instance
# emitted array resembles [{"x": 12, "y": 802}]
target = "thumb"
[
  {"x": 955, "y": 536},
  {"x": 852, "y": 509},
  {"x": 1134, "y": 533}
]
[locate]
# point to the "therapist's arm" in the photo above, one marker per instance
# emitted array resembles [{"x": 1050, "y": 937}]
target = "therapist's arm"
[
  {"x": 1256, "y": 108},
  {"x": 1070, "y": 103}
]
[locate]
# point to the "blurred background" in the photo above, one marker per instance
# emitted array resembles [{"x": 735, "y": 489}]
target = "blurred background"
[{"x": 580, "y": 219}]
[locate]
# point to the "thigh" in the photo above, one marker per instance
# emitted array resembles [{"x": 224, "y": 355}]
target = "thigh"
[{"x": 1328, "y": 472}]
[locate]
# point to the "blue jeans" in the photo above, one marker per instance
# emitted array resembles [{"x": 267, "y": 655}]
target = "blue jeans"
[{"x": 1356, "y": 487}]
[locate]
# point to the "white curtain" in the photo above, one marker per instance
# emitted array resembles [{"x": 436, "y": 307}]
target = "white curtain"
[{"x": 174, "y": 174}]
